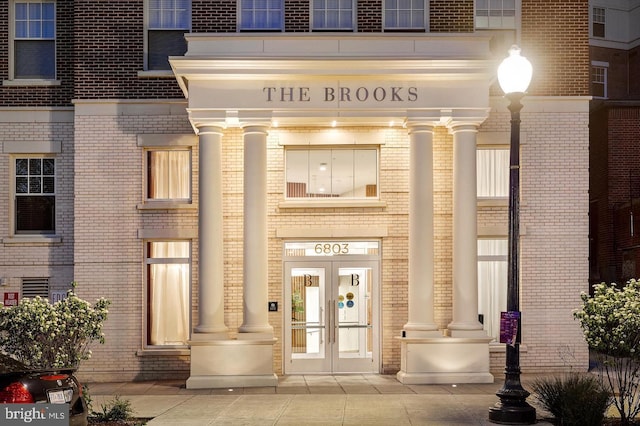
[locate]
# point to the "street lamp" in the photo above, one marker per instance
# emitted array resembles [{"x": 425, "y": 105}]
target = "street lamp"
[{"x": 514, "y": 76}]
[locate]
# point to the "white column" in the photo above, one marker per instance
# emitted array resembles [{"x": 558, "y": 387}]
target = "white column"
[
  {"x": 465, "y": 249},
  {"x": 210, "y": 233},
  {"x": 256, "y": 283},
  {"x": 421, "y": 270}
]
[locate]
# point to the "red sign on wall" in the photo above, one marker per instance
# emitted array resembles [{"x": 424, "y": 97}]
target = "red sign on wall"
[{"x": 10, "y": 298}]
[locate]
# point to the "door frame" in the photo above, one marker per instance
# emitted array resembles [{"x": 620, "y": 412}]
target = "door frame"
[{"x": 332, "y": 264}]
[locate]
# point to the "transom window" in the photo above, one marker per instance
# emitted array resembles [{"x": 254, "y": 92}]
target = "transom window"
[
  {"x": 169, "y": 175},
  {"x": 598, "y": 20},
  {"x": 35, "y": 195},
  {"x": 34, "y": 40},
  {"x": 404, "y": 15},
  {"x": 492, "y": 173},
  {"x": 495, "y": 13},
  {"x": 332, "y": 14},
  {"x": 261, "y": 15},
  {"x": 168, "y": 271},
  {"x": 346, "y": 173},
  {"x": 492, "y": 283},
  {"x": 168, "y": 20}
]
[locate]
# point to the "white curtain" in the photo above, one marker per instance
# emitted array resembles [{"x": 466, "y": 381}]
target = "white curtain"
[
  {"x": 493, "y": 172},
  {"x": 170, "y": 175},
  {"x": 169, "y": 294},
  {"x": 492, "y": 283}
]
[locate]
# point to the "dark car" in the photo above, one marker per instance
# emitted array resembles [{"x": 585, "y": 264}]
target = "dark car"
[{"x": 20, "y": 384}]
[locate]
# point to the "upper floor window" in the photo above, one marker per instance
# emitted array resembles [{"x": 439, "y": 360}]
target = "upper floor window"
[
  {"x": 168, "y": 21},
  {"x": 332, "y": 173},
  {"x": 264, "y": 15},
  {"x": 599, "y": 80},
  {"x": 492, "y": 173},
  {"x": 598, "y": 21},
  {"x": 34, "y": 40},
  {"x": 35, "y": 195},
  {"x": 169, "y": 174},
  {"x": 332, "y": 15},
  {"x": 495, "y": 13},
  {"x": 404, "y": 15}
]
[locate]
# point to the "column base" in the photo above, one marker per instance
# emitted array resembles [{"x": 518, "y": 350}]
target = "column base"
[
  {"x": 231, "y": 363},
  {"x": 444, "y": 360}
]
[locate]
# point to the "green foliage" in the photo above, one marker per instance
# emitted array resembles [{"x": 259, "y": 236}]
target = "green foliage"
[
  {"x": 42, "y": 335},
  {"x": 574, "y": 400},
  {"x": 115, "y": 410},
  {"x": 610, "y": 320}
]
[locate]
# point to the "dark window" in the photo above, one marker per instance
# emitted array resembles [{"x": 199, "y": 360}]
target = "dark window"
[{"x": 35, "y": 195}]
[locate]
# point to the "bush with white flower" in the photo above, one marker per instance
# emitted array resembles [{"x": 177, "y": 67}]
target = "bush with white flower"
[
  {"x": 45, "y": 335},
  {"x": 610, "y": 320}
]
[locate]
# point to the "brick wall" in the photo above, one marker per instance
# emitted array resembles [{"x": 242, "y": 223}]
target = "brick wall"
[
  {"x": 369, "y": 16},
  {"x": 451, "y": 16},
  {"x": 213, "y": 16},
  {"x": 296, "y": 16},
  {"x": 555, "y": 40},
  {"x": 52, "y": 260}
]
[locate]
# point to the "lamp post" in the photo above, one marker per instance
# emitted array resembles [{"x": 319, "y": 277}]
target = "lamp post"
[{"x": 514, "y": 76}]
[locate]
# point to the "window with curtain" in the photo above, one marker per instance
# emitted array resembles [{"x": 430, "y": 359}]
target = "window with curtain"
[
  {"x": 262, "y": 15},
  {"x": 331, "y": 173},
  {"x": 168, "y": 21},
  {"x": 496, "y": 14},
  {"x": 168, "y": 292},
  {"x": 35, "y": 195},
  {"x": 169, "y": 175},
  {"x": 493, "y": 173},
  {"x": 492, "y": 283},
  {"x": 332, "y": 15},
  {"x": 404, "y": 15},
  {"x": 34, "y": 40}
]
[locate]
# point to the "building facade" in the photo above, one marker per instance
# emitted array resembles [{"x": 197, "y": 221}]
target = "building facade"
[
  {"x": 615, "y": 114},
  {"x": 299, "y": 187}
]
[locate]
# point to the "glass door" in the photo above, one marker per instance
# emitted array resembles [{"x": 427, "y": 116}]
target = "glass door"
[{"x": 331, "y": 317}]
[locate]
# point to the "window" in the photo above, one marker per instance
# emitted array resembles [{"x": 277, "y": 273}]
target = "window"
[
  {"x": 261, "y": 15},
  {"x": 169, "y": 175},
  {"x": 332, "y": 173},
  {"x": 492, "y": 283},
  {"x": 599, "y": 81},
  {"x": 32, "y": 287},
  {"x": 493, "y": 173},
  {"x": 598, "y": 19},
  {"x": 404, "y": 15},
  {"x": 168, "y": 273},
  {"x": 332, "y": 15},
  {"x": 35, "y": 195},
  {"x": 169, "y": 20},
  {"x": 34, "y": 40},
  {"x": 495, "y": 13}
]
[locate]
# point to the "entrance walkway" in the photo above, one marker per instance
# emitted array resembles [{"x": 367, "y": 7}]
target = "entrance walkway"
[{"x": 309, "y": 400}]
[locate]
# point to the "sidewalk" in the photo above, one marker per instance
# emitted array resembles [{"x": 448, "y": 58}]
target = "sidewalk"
[{"x": 309, "y": 400}]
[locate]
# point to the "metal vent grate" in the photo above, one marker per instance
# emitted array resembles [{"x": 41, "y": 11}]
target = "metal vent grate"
[{"x": 32, "y": 287}]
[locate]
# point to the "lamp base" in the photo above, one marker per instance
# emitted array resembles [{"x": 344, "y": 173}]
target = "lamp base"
[{"x": 512, "y": 413}]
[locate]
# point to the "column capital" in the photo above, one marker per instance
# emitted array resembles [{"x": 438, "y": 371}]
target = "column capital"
[
  {"x": 224, "y": 119},
  {"x": 462, "y": 126}
]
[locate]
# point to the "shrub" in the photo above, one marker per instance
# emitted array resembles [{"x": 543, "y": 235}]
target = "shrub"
[
  {"x": 115, "y": 410},
  {"x": 42, "y": 335},
  {"x": 574, "y": 400},
  {"x": 610, "y": 320}
]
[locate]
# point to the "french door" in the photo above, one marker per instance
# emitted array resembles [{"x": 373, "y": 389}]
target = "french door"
[{"x": 331, "y": 316}]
